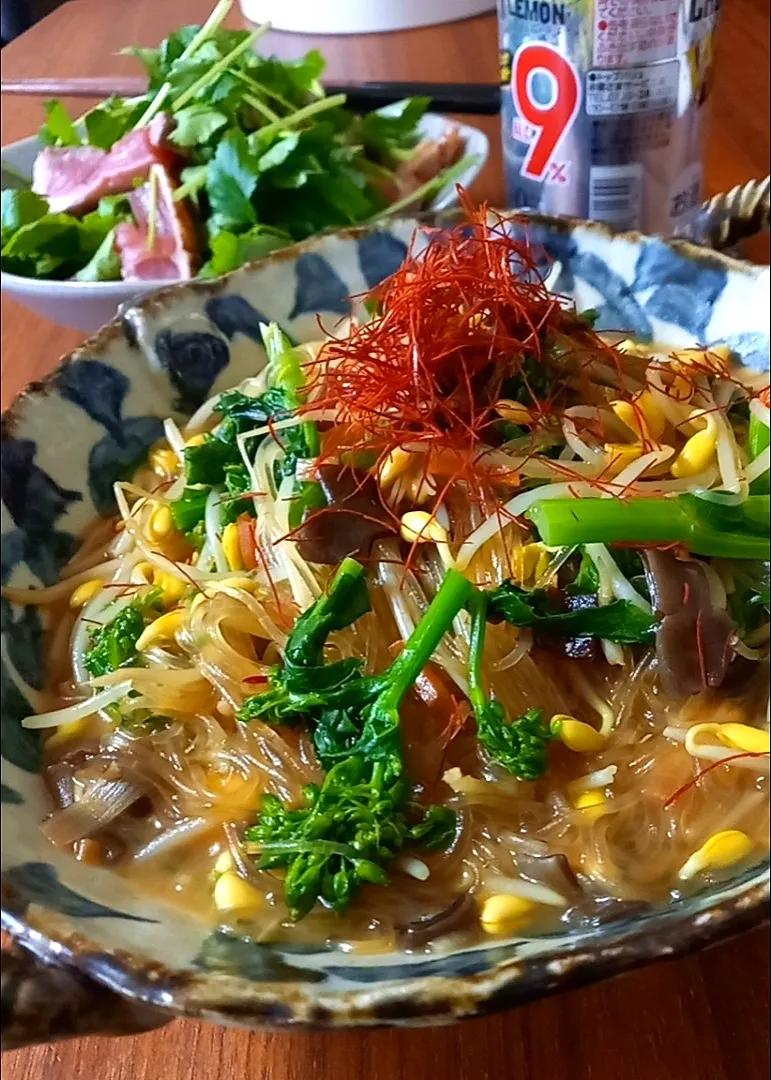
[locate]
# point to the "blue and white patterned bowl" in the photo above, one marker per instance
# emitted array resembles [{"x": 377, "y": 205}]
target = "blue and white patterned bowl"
[{"x": 67, "y": 439}]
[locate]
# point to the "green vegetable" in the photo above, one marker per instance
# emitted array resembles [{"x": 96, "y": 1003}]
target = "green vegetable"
[
  {"x": 704, "y": 527},
  {"x": 391, "y": 132},
  {"x": 363, "y": 815},
  {"x": 110, "y": 121},
  {"x": 230, "y": 184},
  {"x": 20, "y": 207},
  {"x": 58, "y": 245},
  {"x": 189, "y": 509},
  {"x": 113, "y": 645},
  {"x": 286, "y": 375},
  {"x": 217, "y": 461},
  {"x": 270, "y": 159},
  {"x": 520, "y": 746},
  {"x": 196, "y": 124},
  {"x": 750, "y": 602},
  {"x": 620, "y": 621},
  {"x": 758, "y": 440},
  {"x": 58, "y": 129},
  {"x": 589, "y": 316},
  {"x": 587, "y": 580},
  {"x": 350, "y": 829},
  {"x": 104, "y": 264}
]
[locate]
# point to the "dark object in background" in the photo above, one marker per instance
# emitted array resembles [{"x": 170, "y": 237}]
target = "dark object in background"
[{"x": 16, "y": 16}]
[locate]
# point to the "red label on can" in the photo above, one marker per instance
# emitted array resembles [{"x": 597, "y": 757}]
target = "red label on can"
[{"x": 554, "y": 120}]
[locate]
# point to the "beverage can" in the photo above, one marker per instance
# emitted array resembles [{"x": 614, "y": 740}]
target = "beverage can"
[{"x": 603, "y": 108}]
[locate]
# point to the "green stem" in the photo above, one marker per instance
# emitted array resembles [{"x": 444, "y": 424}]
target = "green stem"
[
  {"x": 260, "y": 107},
  {"x": 303, "y": 114},
  {"x": 287, "y": 374},
  {"x": 758, "y": 440},
  {"x": 705, "y": 528},
  {"x": 209, "y": 27},
  {"x": 217, "y": 69},
  {"x": 477, "y": 606},
  {"x": 329, "y": 612},
  {"x": 453, "y": 595},
  {"x": 430, "y": 187}
]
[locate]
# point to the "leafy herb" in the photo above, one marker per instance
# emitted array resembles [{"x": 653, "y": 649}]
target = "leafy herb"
[
  {"x": 620, "y": 621},
  {"x": 113, "y": 645},
  {"x": 58, "y": 245},
  {"x": 20, "y": 207},
  {"x": 104, "y": 264},
  {"x": 391, "y": 132},
  {"x": 520, "y": 745},
  {"x": 110, "y": 121},
  {"x": 266, "y": 155},
  {"x": 58, "y": 129}
]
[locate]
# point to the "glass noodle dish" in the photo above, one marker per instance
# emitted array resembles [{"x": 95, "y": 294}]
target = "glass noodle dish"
[{"x": 450, "y": 624}]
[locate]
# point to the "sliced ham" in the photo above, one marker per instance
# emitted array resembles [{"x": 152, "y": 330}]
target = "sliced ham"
[
  {"x": 74, "y": 178},
  {"x": 165, "y": 252}
]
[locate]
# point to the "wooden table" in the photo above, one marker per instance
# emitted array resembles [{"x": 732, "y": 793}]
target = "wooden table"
[{"x": 703, "y": 1018}]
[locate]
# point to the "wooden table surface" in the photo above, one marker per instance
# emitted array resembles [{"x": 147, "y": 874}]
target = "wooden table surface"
[{"x": 702, "y": 1018}]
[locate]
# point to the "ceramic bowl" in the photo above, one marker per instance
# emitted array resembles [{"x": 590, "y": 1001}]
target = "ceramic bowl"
[
  {"x": 65, "y": 441},
  {"x": 88, "y": 305}
]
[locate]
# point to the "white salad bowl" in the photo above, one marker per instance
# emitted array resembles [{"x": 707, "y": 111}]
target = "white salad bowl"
[
  {"x": 88, "y": 305},
  {"x": 95, "y": 954}
]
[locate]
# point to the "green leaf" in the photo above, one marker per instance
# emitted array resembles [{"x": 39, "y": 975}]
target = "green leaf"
[
  {"x": 206, "y": 464},
  {"x": 392, "y": 130},
  {"x": 111, "y": 120},
  {"x": 620, "y": 621},
  {"x": 114, "y": 645},
  {"x": 229, "y": 251},
  {"x": 150, "y": 60},
  {"x": 278, "y": 153},
  {"x": 237, "y": 482},
  {"x": 230, "y": 183},
  {"x": 587, "y": 580},
  {"x": 189, "y": 509},
  {"x": 196, "y": 124},
  {"x": 53, "y": 234},
  {"x": 104, "y": 264},
  {"x": 20, "y": 207},
  {"x": 58, "y": 129}
]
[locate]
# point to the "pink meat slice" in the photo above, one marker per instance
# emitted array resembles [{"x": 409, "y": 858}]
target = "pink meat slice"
[
  {"x": 74, "y": 178},
  {"x": 166, "y": 254}
]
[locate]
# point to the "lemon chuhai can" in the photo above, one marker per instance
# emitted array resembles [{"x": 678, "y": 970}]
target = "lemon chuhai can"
[{"x": 604, "y": 107}]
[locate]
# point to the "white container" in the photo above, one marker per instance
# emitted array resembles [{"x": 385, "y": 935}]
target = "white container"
[
  {"x": 359, "y": 16},
  {"x": 89, "y": 305}
]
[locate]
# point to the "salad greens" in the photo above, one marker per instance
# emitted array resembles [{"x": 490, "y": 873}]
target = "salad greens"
[
  {"x": 264, "y": 156},
  {"x": 38, "y": 244}
]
